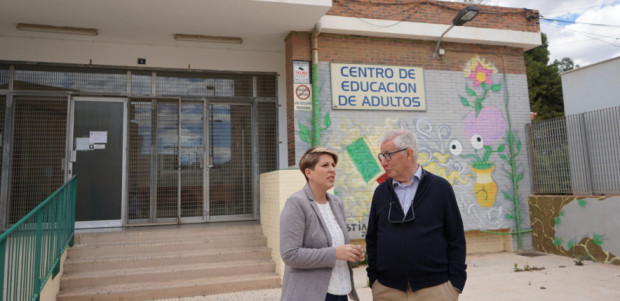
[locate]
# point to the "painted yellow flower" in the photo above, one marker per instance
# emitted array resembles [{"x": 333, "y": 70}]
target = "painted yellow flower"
[{"x": 472, "y": 66}]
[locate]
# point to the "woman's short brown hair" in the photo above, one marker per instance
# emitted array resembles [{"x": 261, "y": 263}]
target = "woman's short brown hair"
[{"x": 311, "y": 158}]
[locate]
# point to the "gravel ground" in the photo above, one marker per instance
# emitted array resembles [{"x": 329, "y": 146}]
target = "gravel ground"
[{"x": 492, "y": 277}]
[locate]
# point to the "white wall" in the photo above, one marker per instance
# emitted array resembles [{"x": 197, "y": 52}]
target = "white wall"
[
  {"x": 592, "y": 87},
  {"x": 213, "y": 57}
]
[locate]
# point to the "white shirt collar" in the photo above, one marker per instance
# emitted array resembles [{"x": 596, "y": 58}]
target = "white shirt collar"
[{"x": 416, "y": 177}]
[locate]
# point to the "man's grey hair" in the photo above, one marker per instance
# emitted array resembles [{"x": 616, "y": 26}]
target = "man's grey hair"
[{"x": 402, "y": 139}]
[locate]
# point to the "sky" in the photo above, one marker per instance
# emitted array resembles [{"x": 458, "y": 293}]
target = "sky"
[{"x": 591, "y": 35}]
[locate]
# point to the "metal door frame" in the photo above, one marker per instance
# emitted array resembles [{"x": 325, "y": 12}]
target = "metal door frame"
[
  {"x": 71, "y": 156},
  {"x": 253, "y": 195},
  {"x": 153, "y": 219}
]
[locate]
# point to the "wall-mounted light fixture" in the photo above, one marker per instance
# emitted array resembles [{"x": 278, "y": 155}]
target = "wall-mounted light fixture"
[
  {"x": 57, "y": 29},
  {"x": 208, "y": 39},
  {"x": 465, "y": 15}
]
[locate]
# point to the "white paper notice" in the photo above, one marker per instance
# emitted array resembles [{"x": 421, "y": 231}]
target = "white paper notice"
[
  {"x": 82, "y": 144},
  {"x": 98, "y": 137}
]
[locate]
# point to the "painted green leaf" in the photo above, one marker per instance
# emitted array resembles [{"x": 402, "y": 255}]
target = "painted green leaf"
[
  {"x": 519, "y": 145},
  {"x": 582, "y": 203},
  {"x": 520, "y": 177},
  {"x": 464, "y": 101},
  {"x": 599, "y": 239},
  {"x": 507, "y": 196},
  {"x": 305, "y": 138},
  {"x": 303, "y": 129},
  {"x": 509, "y": 216},
  {"x": 503, "y": 157},
  {"x": 496, "y": 87},
  {"x": 511, "y": 138},
  {"x": 327, "y": 121},
  {"x": 304, "y": 133},
  {"x": 570, "y": 245},
  {"x": 501, "y": 148},
  {"x": 478, "y": 107},
  {"x": 484, "y": 85},
  {"x": 557, "y": 221},
  {"x": 470, "y": 91},
  {"x": 557, "y": 241},
  {"x": 487, "y": 153}
]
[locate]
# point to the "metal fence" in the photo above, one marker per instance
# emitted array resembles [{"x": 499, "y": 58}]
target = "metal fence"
[
  {"x": 30, "y": 251},
  {"x": 577, "y": 154}
]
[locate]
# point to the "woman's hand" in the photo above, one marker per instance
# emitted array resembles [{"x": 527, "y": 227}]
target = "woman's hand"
[{"x": 352, "y": 253}]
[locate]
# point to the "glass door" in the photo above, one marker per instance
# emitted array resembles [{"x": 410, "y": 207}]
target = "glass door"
[
  {"x": 230, "y": 161},
  {"x": 166, "y": 168}
]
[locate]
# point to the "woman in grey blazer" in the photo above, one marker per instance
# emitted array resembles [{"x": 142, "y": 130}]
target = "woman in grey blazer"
[{"x": 314, "y": 243}]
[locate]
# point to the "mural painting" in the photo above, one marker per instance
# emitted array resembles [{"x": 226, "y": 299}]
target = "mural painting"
[
  {"x": 472, "y": 169},
  {"x": 576, "y": 227}
]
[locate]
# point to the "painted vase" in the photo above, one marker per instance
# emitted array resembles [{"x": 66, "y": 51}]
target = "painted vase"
[{"x": 485, "y": 188}]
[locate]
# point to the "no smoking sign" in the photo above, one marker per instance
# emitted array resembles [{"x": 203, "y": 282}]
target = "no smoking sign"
[{"x": 303, "y": 94}]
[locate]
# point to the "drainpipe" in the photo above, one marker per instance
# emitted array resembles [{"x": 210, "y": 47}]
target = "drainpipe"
[{"x": 316, "y": 114}]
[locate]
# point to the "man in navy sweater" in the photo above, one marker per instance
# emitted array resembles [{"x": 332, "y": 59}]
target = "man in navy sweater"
[{"x": 415, "y": 241}]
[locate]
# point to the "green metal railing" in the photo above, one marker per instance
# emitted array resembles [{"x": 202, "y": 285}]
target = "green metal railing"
[{"x": 30, "y": 251}]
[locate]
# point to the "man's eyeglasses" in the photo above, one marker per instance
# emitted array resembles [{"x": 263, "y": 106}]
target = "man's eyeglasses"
[
  {"x": 405, "y": 219},
  {"x": 388, "y": 156}
]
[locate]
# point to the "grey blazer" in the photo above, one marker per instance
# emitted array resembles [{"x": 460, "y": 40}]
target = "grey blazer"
[{"x": 306, "y": 247}]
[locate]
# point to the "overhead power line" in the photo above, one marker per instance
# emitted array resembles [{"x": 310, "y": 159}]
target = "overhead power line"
[
  {"x": 591, "y": 36},
  {"x": 574, "y": 22}
]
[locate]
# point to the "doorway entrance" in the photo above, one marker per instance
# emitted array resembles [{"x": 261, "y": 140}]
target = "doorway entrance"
[
  {"x": 189, "y": 161},
  {"x": 231, "y": 160},
  {"x": 150, "y": 146},
  {"x": 166, "y": 161},
  {"x": 97, "y": 158}
]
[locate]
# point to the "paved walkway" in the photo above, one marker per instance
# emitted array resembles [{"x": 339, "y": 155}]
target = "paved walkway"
[{"x": 491, "y": 277}]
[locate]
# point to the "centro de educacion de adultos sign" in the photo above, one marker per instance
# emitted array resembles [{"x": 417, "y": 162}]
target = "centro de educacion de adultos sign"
[{"x": 377, "y": 87}]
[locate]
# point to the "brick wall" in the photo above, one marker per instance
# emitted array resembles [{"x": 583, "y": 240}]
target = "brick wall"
[
  {"x": 398, "y": 52},
  {"x": 297, "y": 48},
  {"x": 437, "y": 12}
]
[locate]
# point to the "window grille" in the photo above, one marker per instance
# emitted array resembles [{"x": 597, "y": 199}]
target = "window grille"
[
  {"x": 267, "y": 137},
  {"x": 141, "y": 83},
  {"x": 167, "y": 154},
  {"x": 194, "y": 84},
  {"x": 39, "y": 140},
  {"x": 2, "y": 133},
  {"x": 58, "y": 78},
  {"x": 4, "y": 77},
  {"x": 191, "y": 160},
  {"x": 167, "y": 158},
  {"x": 230, "y": 178},
  {"x": 139, "y": 162}
]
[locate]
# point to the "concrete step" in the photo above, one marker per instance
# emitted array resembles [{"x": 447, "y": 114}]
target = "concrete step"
[
  {"x": 162, "y": 273},
  {"x": 144, "y": 263},
  {"x": 163, "y": 233},
  {"x": 173, "y": 289},
  {"x": 176, "y": 244},
  {"x": 114, "y": 261}
]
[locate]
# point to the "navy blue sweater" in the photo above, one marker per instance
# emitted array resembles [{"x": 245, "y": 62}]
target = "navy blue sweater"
[{"x": 424, "y": 252}]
